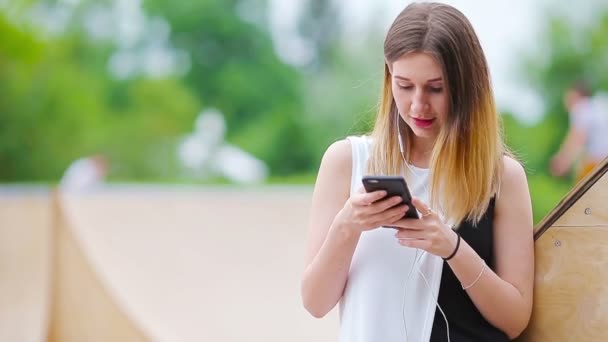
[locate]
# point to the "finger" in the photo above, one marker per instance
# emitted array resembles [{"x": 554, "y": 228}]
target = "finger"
[
  {"x": 409, "y": 223},
  {"x": 410, "y": 234},
  {"x": 415, "y": 243},
  {"x": 386, "y": 204},
  {"x": 368, "y": 198},
  {"x": 391, "y": 215},
  {"x": 422, "y": 207}
]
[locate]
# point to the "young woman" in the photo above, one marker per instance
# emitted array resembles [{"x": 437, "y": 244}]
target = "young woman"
[{"x": 464, "y": 270}]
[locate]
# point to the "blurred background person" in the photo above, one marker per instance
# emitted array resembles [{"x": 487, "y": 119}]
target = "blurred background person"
[
  {"x": 586, "y": 143},
  {"x": 85, "y": 173}
]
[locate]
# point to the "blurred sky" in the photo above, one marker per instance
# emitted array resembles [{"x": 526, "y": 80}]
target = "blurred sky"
[{"x": 507, "y": 29}]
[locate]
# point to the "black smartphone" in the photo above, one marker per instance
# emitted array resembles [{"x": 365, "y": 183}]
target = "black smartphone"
[{"x": 394, "y": 186}]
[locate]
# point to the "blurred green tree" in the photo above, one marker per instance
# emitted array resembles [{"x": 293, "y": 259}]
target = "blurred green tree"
[
  {"x": 234, "y": 68},
  {"x": 59, "y": 103},
  {"x": 568, "y": 51}
]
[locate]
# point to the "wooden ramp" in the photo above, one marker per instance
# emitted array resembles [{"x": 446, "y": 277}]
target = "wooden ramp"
[
  {"x": 146, "y": 263},
  {"x": 571, "y": 283},
  {"x": 82, "y": 305},
  {"x": 167, "y": 264},
  {"x": 25, "y": 266},
  {"x": 199, "y": 264}
]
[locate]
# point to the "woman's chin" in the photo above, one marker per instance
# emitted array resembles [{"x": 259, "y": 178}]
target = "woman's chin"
[{"x": 424, "y": 133}]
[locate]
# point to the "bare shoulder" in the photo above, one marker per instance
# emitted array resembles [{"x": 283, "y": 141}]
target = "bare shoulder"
[
  {"x": 331, "y": 191},
  {"x": 514, "y": 194},
  {"x": 337, "y": 159},
  {"x": 513, "y": 174},
  {"x": 334, "y": 177}
]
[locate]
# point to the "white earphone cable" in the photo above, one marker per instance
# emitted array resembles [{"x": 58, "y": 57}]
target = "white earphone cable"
[{"x": 416, "y": 258}]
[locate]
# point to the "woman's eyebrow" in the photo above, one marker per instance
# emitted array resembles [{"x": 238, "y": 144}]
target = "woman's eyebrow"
[{"x": 429, "y": 81}]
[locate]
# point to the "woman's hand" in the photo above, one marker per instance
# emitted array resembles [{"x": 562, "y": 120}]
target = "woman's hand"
[
  {"x": 428, "y": 233},
  {"x": 366, "y": 211}
]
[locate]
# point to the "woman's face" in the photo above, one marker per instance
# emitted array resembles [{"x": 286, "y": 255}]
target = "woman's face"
[{"x": 420, "y": 93}]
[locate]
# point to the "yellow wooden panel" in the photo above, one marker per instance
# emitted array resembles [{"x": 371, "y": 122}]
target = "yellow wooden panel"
[
  {"x": 571, "y": 294},
  {"x": 591, "y": 209}
]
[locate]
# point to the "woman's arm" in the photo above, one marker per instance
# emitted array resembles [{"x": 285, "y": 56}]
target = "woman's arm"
[
  {"x": 330, "y": 248},
  {"x": 336, "y": 222},
  {"x": 571, "y": 148},
  {"x": 504, "y": 298}
]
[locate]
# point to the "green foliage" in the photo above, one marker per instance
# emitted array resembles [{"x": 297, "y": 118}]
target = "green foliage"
[
  {"x": 341, "y": 93},
  {"x": 58, "y": 103},
  {"x": 145, "y": 126},
  {"x": 546, "y": 192},
  {"x": 533, "y": 145},
  {"x": 61, "y": 103},
  {"x": 37, "y": 114},
  {"x": 234, "y": 68}
]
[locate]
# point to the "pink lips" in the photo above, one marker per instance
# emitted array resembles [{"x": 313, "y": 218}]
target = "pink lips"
[{"x": 423, "y": 123}]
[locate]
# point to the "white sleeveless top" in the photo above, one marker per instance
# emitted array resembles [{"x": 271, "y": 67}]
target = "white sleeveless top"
[{"x": 372, "y": 303}]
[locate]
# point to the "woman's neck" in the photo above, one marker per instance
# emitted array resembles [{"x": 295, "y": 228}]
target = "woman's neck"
[{"x": 420, "y": 152}]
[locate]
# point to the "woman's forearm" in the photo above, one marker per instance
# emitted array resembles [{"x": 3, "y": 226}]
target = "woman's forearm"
[
  {"x": 324, "y": 279},
  {"x": 500, "y": 302}
]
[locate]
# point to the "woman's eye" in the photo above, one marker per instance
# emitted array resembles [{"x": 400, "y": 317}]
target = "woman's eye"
[
  {"x": 406, "y": 87},
  {"x": 435, "y": 89}
]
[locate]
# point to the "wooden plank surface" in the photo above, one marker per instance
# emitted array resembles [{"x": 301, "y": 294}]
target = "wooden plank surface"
[
  {"x": 25, "y": 267},
  {"x": 586, "y": 184},
  {"x": 82, "y": 308},
  {"x": 571, "y": 291},
  {"x": 197, "y": 264},
  {"x": 590, "y": 209}
]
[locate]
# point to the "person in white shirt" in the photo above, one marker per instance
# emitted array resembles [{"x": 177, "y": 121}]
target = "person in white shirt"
[
  {"x": 586, "y": 141},
  {"x": 85, "y": 173}
]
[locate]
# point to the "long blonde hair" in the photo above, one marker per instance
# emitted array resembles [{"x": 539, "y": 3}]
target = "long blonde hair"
[{"x": 466, "y": 161}]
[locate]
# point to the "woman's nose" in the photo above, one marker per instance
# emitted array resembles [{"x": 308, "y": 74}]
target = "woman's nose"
[{"x": 419, "y": 106}]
